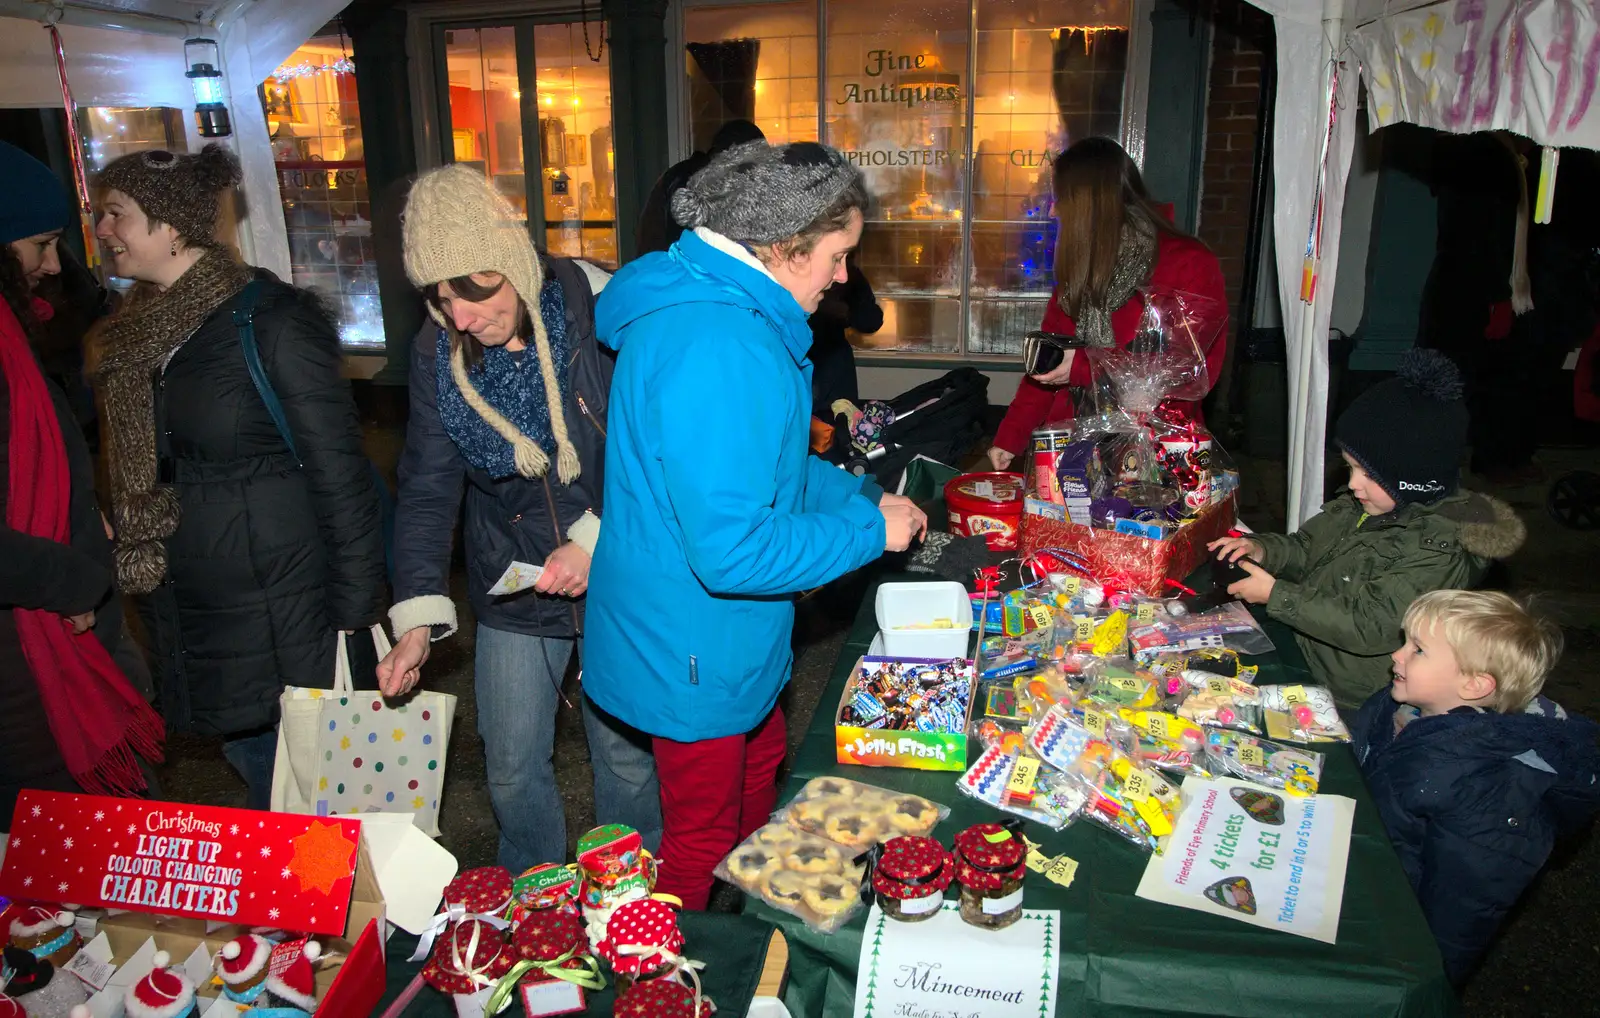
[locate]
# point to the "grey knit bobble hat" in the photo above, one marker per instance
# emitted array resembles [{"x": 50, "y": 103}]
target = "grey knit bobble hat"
[{"x": 760, "y": 193}]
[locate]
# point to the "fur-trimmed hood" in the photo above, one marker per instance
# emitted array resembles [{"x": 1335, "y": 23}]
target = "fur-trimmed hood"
[{"x": 1485, "y": 525}]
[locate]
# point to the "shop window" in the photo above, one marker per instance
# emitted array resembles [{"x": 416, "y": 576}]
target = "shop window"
[
  {"x": 315, "y": 124},
  {"x": 486, "y": 107},
  {"x": 954, "y": 110},
  {"x": 897, "y": 107},
  {"x": 577, "y": 158},
  {"x": 756, "y": 63},
  {"x": 112, "y": 131},
  {"x": 542, "y": 79}
]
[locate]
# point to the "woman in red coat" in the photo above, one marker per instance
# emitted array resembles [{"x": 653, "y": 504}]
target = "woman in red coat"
[{"x": 1113, "y": 244}]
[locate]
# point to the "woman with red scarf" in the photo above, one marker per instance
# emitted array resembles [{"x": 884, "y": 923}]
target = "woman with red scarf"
[
  {"x": 1113, "y": 245},
  {"x": 69, "y": 718}
]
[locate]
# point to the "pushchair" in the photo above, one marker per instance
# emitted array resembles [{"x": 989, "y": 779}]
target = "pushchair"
[{"x": 942, "y": 420}]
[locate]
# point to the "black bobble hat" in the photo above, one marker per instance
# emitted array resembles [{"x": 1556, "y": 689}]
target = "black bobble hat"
[{"x": 1408, "y": 432}]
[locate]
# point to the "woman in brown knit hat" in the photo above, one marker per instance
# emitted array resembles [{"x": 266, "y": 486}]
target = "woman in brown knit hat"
[{"x": 250, "y": 552}]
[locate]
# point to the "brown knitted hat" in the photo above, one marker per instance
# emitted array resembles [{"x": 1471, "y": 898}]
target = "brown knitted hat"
[{"x": 179, "y": 190}]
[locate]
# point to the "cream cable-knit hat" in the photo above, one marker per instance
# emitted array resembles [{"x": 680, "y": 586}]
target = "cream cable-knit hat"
[{"x": 454, "y": 225}]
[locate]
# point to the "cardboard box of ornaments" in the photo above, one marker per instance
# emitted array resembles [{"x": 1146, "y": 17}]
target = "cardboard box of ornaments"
[{"x": 193, "y": 883}]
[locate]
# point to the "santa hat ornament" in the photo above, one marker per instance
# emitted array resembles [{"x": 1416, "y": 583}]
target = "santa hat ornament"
[
  {"x": 242, "y": 967},
  {"x": 290, "y": 981},
  {"x": 39, "y": 987},
  {"x": 50, "y": 935},
  {"x": 163, "y": 992}
]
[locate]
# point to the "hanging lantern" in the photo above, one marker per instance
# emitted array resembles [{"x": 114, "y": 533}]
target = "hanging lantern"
[{"x": 210, "y": 114}]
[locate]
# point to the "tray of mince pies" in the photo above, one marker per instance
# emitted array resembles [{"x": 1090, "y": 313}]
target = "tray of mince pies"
[
  {"x": 811, "y": 860},
  {"x": 858, "y": 815}
]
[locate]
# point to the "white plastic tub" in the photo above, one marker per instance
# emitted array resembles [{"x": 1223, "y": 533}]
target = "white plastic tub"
[{"x": 901, "y": 606}]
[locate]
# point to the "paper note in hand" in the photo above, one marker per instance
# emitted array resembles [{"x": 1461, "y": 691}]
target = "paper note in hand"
[{"x": 518, "y": 576}]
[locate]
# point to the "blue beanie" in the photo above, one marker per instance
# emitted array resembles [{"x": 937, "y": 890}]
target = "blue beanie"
[{"x": 33, "y": 200}]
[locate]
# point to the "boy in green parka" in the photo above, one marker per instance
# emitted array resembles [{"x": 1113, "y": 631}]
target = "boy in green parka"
[{"x": 1343, "y": 581}]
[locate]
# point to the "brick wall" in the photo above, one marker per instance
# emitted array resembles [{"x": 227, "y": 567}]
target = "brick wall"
[{"x": 1243, "y": 34}]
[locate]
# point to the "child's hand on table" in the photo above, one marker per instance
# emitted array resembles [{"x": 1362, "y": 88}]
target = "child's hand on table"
[{"x": 1257, "y": 587}]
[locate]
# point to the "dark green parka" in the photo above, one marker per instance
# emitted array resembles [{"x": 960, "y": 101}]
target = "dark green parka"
[{"x": 1345, "y": 579}]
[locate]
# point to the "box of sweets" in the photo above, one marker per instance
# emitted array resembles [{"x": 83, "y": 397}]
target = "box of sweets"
[{"x": 905, "y": 712}]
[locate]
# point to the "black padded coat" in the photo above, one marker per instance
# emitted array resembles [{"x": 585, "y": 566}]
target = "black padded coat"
[{"x": 270, "y": 557}]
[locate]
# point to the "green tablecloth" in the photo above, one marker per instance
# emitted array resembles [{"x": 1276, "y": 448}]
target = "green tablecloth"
[
  {"x": 734, "y": 947},
  {"x": 1123, "y": 955}
]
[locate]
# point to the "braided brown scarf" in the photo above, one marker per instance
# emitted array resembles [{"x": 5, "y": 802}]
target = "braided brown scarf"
[
  {"x": 1136, "y": 259},
  {"x": 131, "y": 349}
]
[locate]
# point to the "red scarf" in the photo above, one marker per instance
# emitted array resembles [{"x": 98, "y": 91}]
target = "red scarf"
[{"x": 99, "y": 722}]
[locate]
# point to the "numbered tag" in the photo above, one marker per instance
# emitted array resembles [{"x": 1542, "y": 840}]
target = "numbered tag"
[
  {"x": 1294, "y": 696},
  {"x": 1138, "y": 786},
  {"x": 1083, "y": 629},
  {"x": 1159, "y": 725},
  {"x": 1072, "y": 584},
  {"x": 1146, "y": 612},
  {"x": 1038, "y": 861},
  {"x": 1094, "y": 723},
  {"x": 1062, "y": 870},
  {"x": 1023, "y": 777},
  {"x": 1251, "y": 755},
  {"x": 1216, "y": 685},
  {"x": 1127, "y": 683},
  {"x": 1040, "y": 615}
]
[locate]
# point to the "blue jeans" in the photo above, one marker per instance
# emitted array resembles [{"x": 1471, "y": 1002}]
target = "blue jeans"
[
  {"x": 253, "y": 756},
  {"x": 518, "y": 681}
]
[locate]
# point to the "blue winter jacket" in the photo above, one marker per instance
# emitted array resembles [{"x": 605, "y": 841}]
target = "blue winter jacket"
[
  {"x": 715, "y": 512},
  {"x": 1473, "y": 802}
]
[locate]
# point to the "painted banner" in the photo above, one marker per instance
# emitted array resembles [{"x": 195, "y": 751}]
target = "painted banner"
[
  {"x": 236, "y": 865},
  {"x": 1478, "y": 65},
  {"x": 1256, "y": 855}
]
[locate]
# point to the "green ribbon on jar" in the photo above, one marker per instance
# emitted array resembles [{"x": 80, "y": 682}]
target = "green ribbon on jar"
[{"x": 586, "y": 975}]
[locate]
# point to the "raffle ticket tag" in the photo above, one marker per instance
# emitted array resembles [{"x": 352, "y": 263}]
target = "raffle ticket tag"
[{"x": 518, "y": 576}]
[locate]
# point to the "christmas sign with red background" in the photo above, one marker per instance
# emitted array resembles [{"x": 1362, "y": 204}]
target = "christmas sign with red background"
[{"x": 231, "y": 865}]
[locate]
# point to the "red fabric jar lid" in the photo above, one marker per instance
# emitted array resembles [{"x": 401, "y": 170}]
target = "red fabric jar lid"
[
  {"x": 912, "y": 868},
  {"x": 984, "y": 864},
  {"x": 491, "y": 958},
  {"x": 11, "y": 1009},
  {"x": 485, "y": 890},
  {"x": 659, "y": 998},
  {"x": 642, "y": 923},
  {"x": 546, "y": 936}
]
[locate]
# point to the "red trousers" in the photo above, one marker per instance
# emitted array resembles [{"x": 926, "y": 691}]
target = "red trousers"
[{"x": 714, "y": 794}]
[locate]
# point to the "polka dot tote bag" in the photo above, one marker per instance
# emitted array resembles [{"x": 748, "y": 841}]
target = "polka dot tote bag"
[{"x": 343, "y": 750}]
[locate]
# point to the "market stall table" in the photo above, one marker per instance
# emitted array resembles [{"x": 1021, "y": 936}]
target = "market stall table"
[
  {"x": 1123, "y": 955},
  {"x": 740, "y": 953}
]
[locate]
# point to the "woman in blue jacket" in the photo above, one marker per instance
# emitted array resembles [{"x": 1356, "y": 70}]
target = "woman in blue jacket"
[
  {"x": 716, "y": 515},
  {"x": 508, "y": 400}
]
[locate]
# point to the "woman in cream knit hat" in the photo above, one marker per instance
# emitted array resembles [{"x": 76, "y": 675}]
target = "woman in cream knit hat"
[{"x": 508, "y": 401}]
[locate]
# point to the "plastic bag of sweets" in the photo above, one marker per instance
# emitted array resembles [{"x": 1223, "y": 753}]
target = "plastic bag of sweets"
[
  {"x": 809, "y": 877},
  {"x": 857, "y": 815},
  {"x": 1131, "y": 801},
  {"x": 1295, "y": 770},
  {"x": 1302, "y": 714},
  {"x": 1016, "y": 784},
  {"x": 1166, "y": 742},
  {"x": 1118, "y": 685},
  {"x": 1217, "y": 702}
]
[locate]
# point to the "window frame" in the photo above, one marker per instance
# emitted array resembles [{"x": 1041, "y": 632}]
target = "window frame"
[{"x": 1135, "y": 98}]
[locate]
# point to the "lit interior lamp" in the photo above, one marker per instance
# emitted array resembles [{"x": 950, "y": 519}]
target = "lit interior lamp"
[{"x": 210, "y": 115}]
